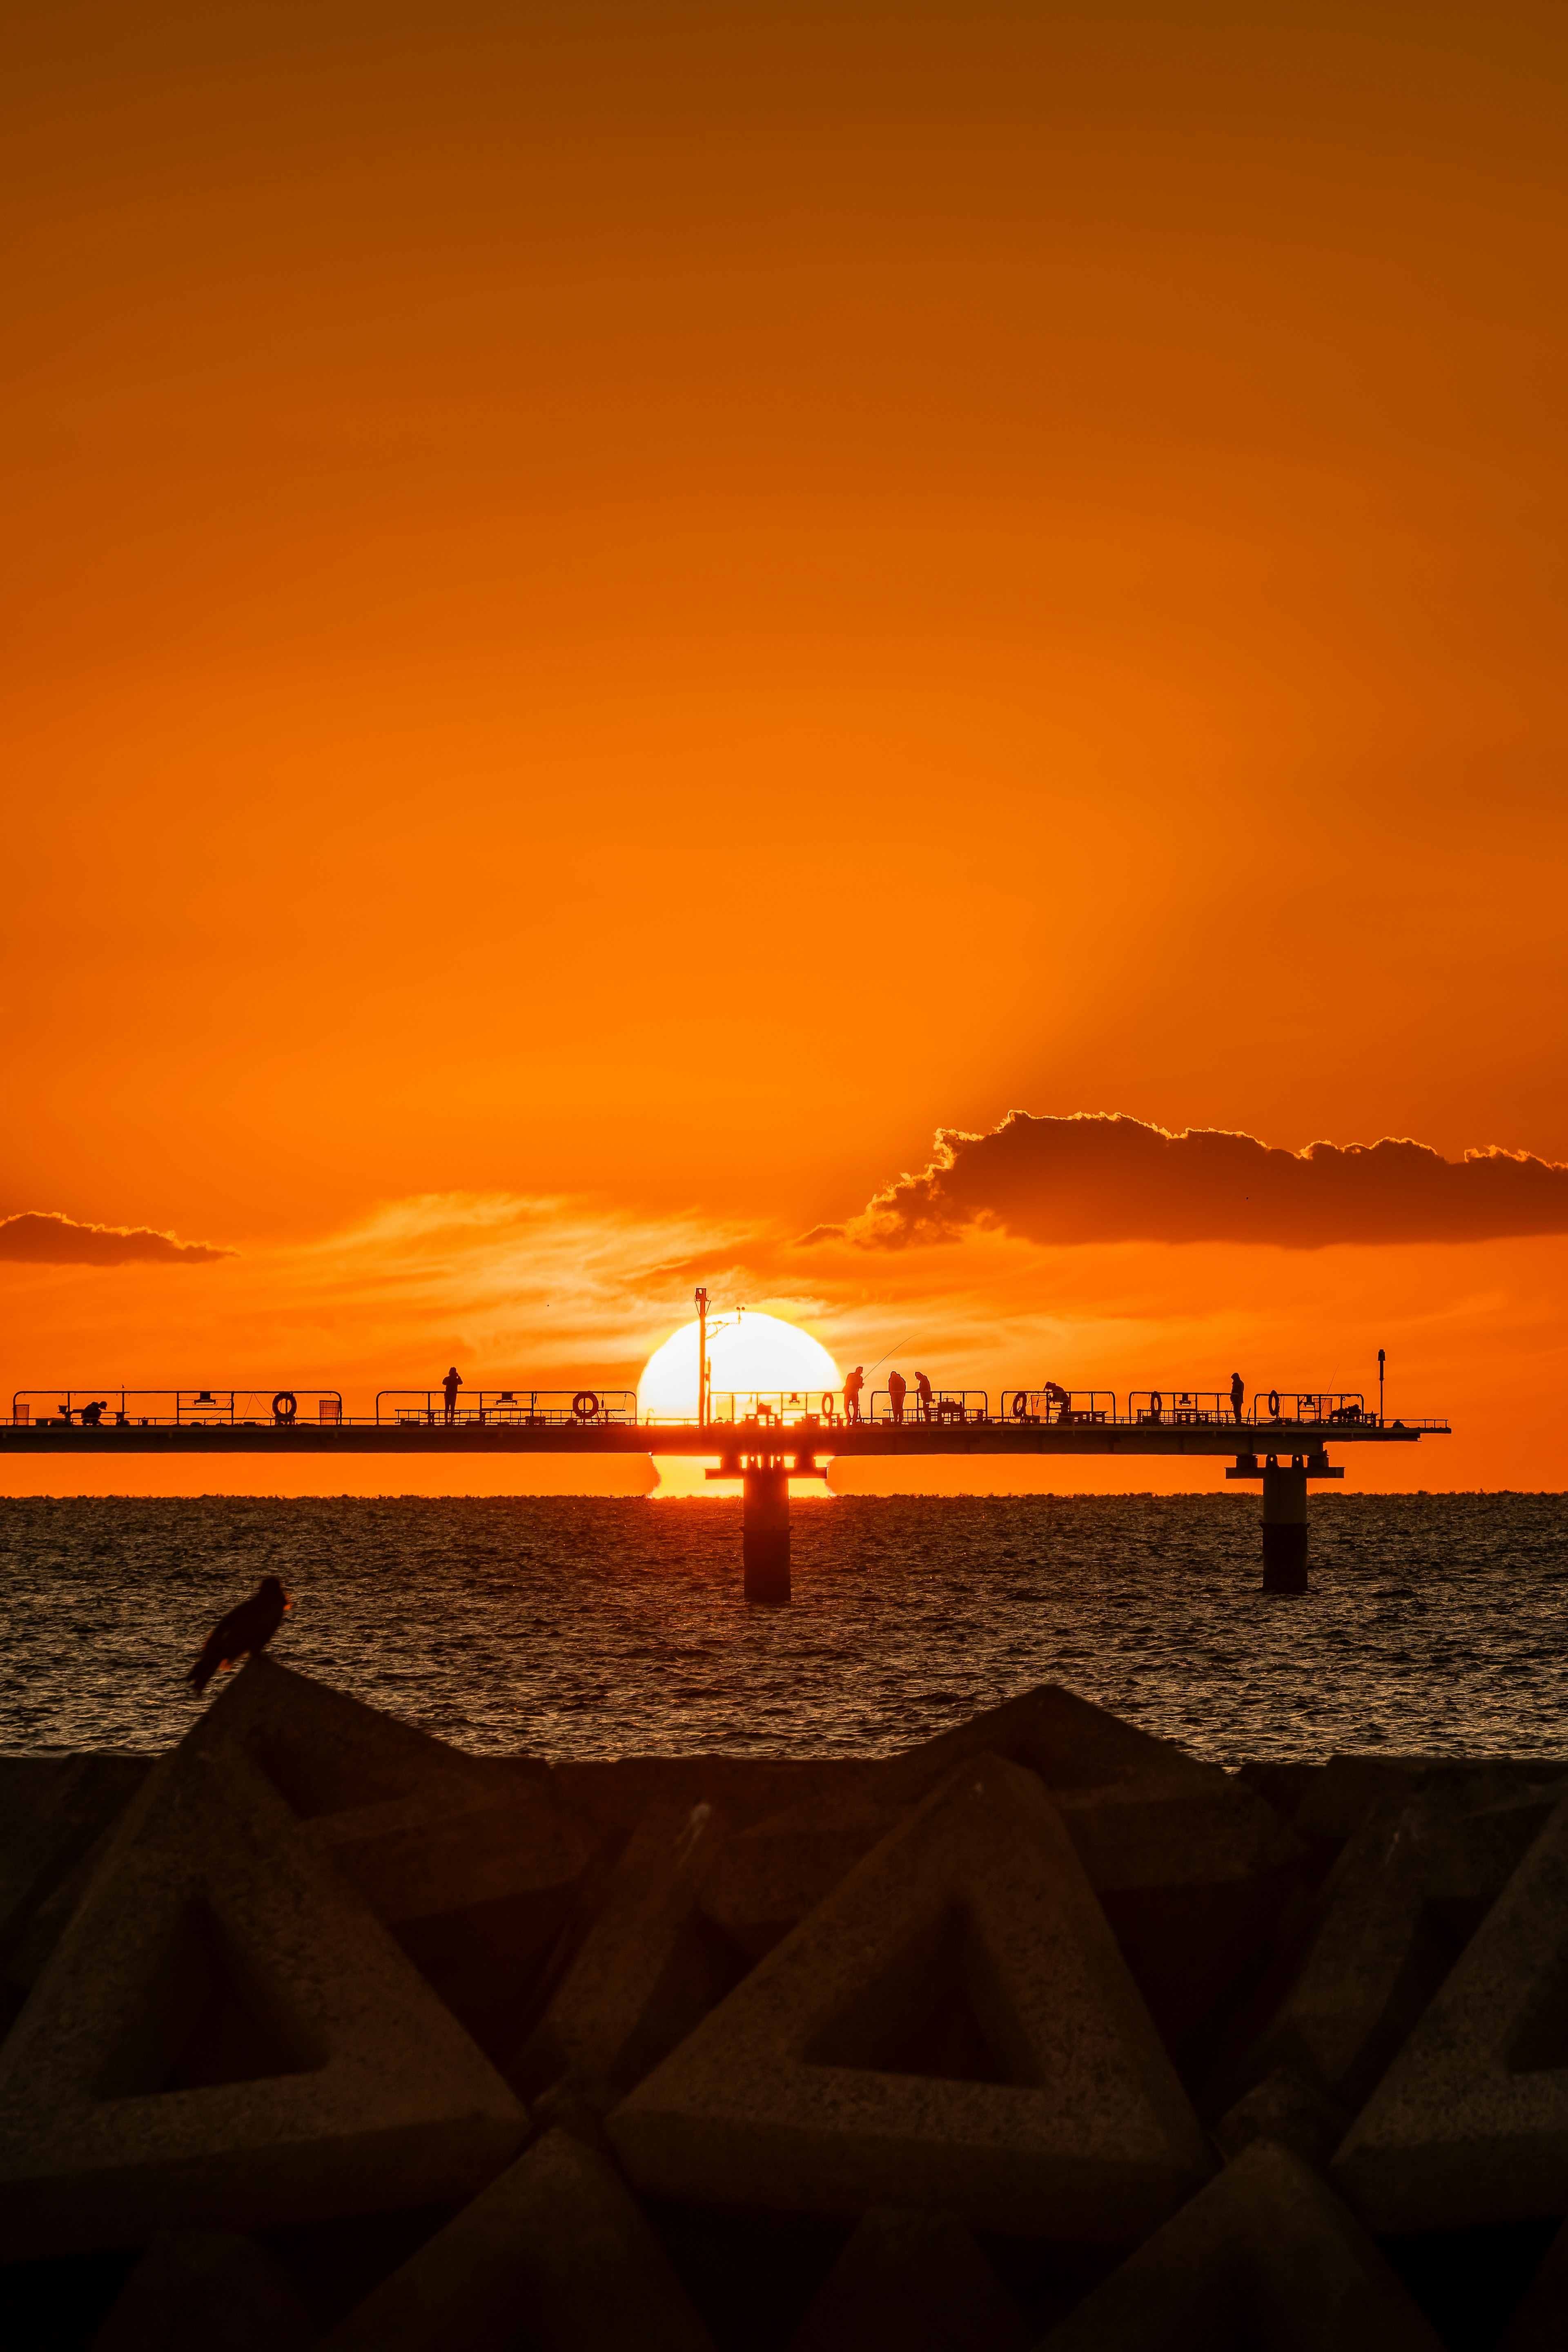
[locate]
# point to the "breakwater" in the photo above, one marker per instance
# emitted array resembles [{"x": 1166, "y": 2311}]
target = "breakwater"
[{"x": 1040, "y": 2030}]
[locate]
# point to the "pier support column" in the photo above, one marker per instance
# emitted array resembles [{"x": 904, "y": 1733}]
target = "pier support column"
[
  {"x": 765, "y": 1509},
  {"x": 1284, "y": 1512},
  {"x": 764, "y": 1534},
  {"x": 1284, "y": 1528}
]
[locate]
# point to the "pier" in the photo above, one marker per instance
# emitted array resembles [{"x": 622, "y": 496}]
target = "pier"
[{"x": 763, "y": 1439}]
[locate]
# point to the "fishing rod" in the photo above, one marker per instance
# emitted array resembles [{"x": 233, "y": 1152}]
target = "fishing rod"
[{"x": 896, "y": 1348}]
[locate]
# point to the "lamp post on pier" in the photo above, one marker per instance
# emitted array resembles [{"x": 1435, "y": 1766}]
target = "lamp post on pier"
[{"x": 702, "y": 1359}]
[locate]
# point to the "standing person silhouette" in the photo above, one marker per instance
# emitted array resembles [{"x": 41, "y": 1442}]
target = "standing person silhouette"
[
  {"x": 922, "y": 1389},
  {"x": 1237, "y": 1394},
  {"x": 450, "y": 1385},
  {"x": 897, "y": 1384},
  {"x": 852, "y": 1388}
]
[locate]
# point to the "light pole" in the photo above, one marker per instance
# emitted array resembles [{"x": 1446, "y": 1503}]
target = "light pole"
[
  {"x": 703, "y": 1360},
  {"x": 1380, "y": 1387}
]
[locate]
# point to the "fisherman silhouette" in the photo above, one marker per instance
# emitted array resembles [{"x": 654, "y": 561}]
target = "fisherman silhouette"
[
  {"x": 450, "y": 1385},
  {"x": 246, "y": 1630},
  {"x": 1237, "y": 1394},
  {"x": 852, "y": 1388},
  {"x": 1056, "y": 1395},
  {"x": 896, "y": 1385},
  {"x": 91, "y": 1414},
  {"x": 922, "y": 1389}
]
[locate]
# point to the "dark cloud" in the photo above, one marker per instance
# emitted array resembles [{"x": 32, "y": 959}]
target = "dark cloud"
[
  {"x": 44, "y": 1237},
  {"x": 1099, "y": 1179}
]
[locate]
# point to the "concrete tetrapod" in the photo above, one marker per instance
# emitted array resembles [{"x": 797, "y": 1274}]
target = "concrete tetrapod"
[
  {"x": 648, "y": 1969},
  {"x": 768, "y": 1876},
  {"x": 476, "y": 1891},
  {"x": 474, "y": 1863},
  {"x": 1540, "y": 2321},
  {"x": 193, "y": 2289},
  {"x": 1470, "y": 2122},
  {"x": 1266, "y": 2256},
  {"x": 1191, "y": 1865},
  {"x": 1141, "y": 1811},
  {"x": 554, "y": 2254},
  {"x": 329, "y": 1753},
  {"x": 1408, "y": 1890},
  {"x": 616, "y": 1794},
  {"x": 953, "y": 2027},
  {"x": 53, "y": 1811},
  {"x": 226, "y": 2037},
  {"x": 911, "y": 2282}
]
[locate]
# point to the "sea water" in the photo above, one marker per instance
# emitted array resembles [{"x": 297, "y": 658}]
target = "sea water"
[{"x": 1435, "y": 1622}]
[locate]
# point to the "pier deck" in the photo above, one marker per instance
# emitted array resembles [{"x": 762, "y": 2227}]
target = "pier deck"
[
  {"x": 764, "y": 1441},
  {"x": 281, "y": 1440}
]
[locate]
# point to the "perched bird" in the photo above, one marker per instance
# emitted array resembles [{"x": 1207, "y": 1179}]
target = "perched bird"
[{"x": 248, "y": 1628}]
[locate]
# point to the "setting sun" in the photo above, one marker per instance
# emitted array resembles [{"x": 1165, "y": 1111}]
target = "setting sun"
[{"x": 747, "y": 1353}]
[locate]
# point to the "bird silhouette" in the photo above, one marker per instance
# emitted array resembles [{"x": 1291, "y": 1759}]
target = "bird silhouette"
[{"x": 248, "y": 1628}]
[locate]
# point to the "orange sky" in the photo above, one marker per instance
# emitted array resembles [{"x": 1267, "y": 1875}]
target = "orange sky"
[{"x": 610, "y": 616}]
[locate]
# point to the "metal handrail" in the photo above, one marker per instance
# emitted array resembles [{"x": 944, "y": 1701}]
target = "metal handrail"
[
  {"x": 211, "y": 1408},
  {"x": 507, "y": 1408},
  {"x": 789, "y": 1408},
  {"x": 946, "y": 1405},
  {"x": 1052, "y": 1406},
  {"x": 1312, "y": 1407},
  {"x": 1178, "y": 1408},
  {"x": 812, "y": 1413}
]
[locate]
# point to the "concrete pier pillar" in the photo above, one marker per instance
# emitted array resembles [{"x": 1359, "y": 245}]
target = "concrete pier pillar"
[
  {"x": 1284, "y": 1528},
  {"x": 764, "y": 1535}
]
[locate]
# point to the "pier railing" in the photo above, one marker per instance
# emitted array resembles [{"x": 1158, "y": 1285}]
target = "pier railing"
[
  {"x": 817, "y": 1413},
  {"x": 1325, "y": 1406},
  {"x": 1174, "y": 1408},
  {"x": 506, "y": 1408},
  {"x": 1058, "y": 1408},
  {"x": 946, "y": 1405},
  {"x": 764, "y": 1406},
  {"x": 111, "y": 1407}
]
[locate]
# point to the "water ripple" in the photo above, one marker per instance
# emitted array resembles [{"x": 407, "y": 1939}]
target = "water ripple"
[{"x": 581, "y": 1628}]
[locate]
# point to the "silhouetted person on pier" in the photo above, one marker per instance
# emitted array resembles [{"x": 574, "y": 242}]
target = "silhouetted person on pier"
[
  {"x": 922, "y": 1389},
  {"x": 896, "y": 1385},
  {"x": 1056, "y": 1395},
  {"x": 1237, "y": 1394},
  {"x": 449, "y": 1387},
  {"x": 91, "y": 1414},
  {"x": 243, "y": 1632},
  {"x": 852, "y": 1388}
]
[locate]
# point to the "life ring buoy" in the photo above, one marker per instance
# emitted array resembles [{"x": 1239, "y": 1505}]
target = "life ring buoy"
[
  {"x": 285, "y": 1405},
  {"x": 1156, "y": 1404},
  {"x": 829, "y": 1401},
  {"x": 1020, "y": 1404},
  {"x": 585, "y": 1404},
  {"x": 1273, "y": 1405}
]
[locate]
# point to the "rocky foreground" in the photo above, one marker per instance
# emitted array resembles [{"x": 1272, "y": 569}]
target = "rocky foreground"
[{"x": 322, "y": 2032}]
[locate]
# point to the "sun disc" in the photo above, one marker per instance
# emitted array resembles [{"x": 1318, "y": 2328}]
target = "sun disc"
[{"x": 748, "y": 1352}]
